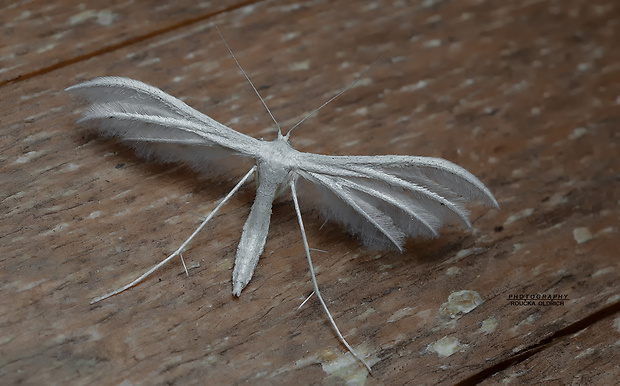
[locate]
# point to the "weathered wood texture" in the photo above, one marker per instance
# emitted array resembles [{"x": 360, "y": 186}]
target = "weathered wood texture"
[
  {"x": 40, "y": 37},
  {"x": 525, "y": 94}
]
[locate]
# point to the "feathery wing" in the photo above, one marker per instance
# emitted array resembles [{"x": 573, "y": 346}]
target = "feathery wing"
[
  {"x": 385, "y": 199},
  {"x": 158, "y": 124}
]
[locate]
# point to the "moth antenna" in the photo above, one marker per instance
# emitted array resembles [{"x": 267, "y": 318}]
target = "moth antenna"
[
  {"x": 314, "y": 282},
  {"x": 251, "y": 84},
  {"x": 334, "y": 97}
]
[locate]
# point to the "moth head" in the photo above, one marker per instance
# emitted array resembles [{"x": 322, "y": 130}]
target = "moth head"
[{"x": 285, "y": 138}]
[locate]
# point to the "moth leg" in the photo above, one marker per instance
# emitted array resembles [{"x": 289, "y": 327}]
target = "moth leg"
[
  {"x": 309, "y": 296},
  {"x": 183, "y": 261},
  {"x": 185, "y": 243},
  {"x": 314, "y": 282},
  {"x": 304, "y": 302}
]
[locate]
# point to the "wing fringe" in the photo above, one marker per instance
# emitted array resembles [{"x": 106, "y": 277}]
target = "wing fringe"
[
  {"x": 385, "y": 199},
  {"x": 160, "y": 126}
]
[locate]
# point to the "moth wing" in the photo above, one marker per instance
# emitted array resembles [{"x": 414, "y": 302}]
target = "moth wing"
[
  {"x": 385, "y": 199},
  {"x": 159, "y": 125}
]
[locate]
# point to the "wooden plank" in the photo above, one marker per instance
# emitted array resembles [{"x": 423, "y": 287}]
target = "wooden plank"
[
  {"x": 39, "y": 37},
  {"x": 535, "y": 118},
  {"x": 587, "y": 357}
]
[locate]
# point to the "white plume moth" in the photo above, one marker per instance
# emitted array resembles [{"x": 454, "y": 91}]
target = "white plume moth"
[{"x": 381, "y": 199}]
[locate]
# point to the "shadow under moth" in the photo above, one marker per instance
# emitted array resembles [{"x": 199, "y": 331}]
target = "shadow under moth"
[{"x": 381, "y": 199}]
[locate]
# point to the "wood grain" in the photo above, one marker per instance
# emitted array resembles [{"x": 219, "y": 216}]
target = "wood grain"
[
  {"x": 524, "y": 94},
  {"x": 40, "y": 37}
]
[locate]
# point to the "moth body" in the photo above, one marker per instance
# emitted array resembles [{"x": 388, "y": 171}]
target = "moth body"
[{"x": 274, "y": 165}]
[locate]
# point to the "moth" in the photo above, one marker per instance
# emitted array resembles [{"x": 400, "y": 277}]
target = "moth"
[{"x": 380, "y": 199}]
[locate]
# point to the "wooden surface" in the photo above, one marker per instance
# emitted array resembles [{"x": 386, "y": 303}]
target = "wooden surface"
[{"x": 524, "y": 94}]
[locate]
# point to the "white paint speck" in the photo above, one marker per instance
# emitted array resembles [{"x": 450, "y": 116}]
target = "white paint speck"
[
  {"x": 527, "y": 321},
  {"x": 224, "y": 264},
  {"x": 25, "y": 158},
  {"x": 174, "y": 220},
  {"x": 45, "y": 48},
  {"x": 16, "y": 196},
  {"x": 361, "y": 111},
  {"x": 578, "y": 133},
  {"x": 106, "y": 17},
  {"x": 371, "y": 6},
  {"x": 584, "y": 66},
  {"x": 346, "y": 366},
  {"x": 538, "y": 269},
  {"x": 558, "y": 199},
  {"x": 489, "y": 325},
  {"x": 398, "y": 315},
  {"x": 81, "y": 17},
  {"x": 446, "y": 346},
  {"x": 432, "y": 43},
  {"x": 468, "y": 82},
  {"x": 463, "y": 253},
  {"x": 489, "y": 110},
  {"x": 612, "y": 299},
  {"x": 518, "y": 216},
  {"x": 452, "y": 271},
  {"x": 299, "y": 66},
  {"x": 351, "y": 143},
  {"x": 58, "y": 228},
  {"x": 289, "y": 36},
  {"x": 585, "y": 353},
  {"x": 516, "y": 88},
  {"x": 31, "y": 285},
  {"x": 363, "y": 82},
  {"x": 460, "y": 303},
  {"x": 24, "y": 15},
  {"x": 604, "y": 271},
  {"x": 416, "y": 86},
  {"x": 425, "y": 315},
  {"x": 608, "y": 230},
  {"x": 582, "y": 235},
  {"x": 123, "y": 213},
  {"x": 149, "y": 62},
  {"x": 94, "y": 214}
]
